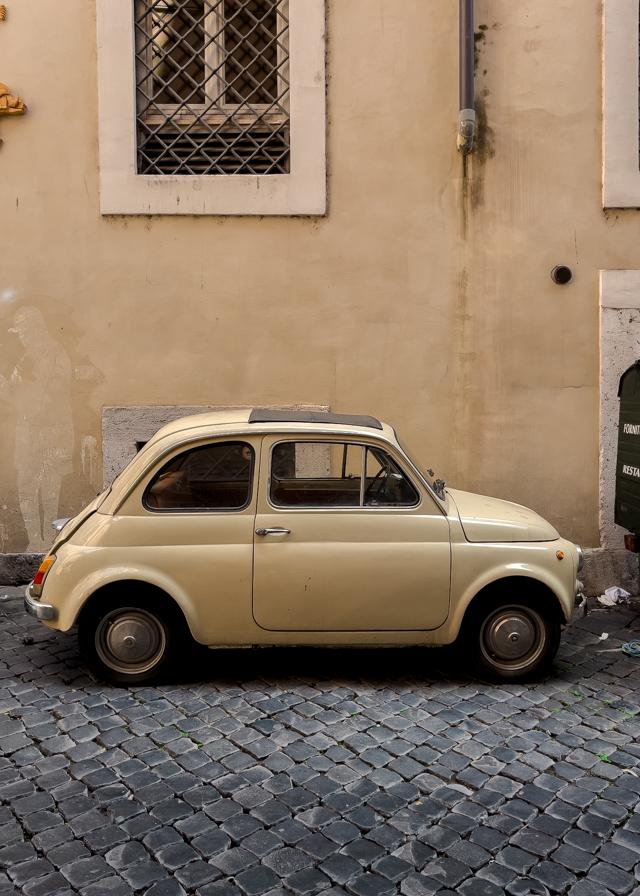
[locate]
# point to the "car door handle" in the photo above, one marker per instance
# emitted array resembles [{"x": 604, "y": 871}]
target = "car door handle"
[{"x": 273, "y": 532}]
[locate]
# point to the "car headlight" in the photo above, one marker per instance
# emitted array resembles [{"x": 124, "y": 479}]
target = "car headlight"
[{"x": 580, "y": 557}]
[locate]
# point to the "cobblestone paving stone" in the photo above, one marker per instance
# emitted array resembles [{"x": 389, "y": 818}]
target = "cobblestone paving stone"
[{"x": 364, "y": 772}]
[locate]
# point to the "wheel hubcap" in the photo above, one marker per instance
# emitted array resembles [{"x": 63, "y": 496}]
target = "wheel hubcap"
[
  {"x": 130, "y": 640},
  {"x": 513, "y": 637}
]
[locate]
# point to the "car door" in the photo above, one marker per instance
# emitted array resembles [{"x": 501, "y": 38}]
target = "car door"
[
  {"x": 190, "y": 524},
  {"x": 346, "y": 540}
]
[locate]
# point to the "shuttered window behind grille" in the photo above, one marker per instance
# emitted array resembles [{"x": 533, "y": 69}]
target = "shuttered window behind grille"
[{"x": 212, "y": 81}]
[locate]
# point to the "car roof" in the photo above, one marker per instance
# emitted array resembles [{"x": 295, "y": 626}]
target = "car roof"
[
  {"x": 264, "y": 420},
  {"x": 276, "y": 415}
]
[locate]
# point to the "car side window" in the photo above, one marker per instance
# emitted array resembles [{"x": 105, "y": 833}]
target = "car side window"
[
  {"x": 337, "y": 474},
  {"x": 386, "y": 485},
  {"x": 210, "y": 477},
  {"x": 316, "y": 474}
]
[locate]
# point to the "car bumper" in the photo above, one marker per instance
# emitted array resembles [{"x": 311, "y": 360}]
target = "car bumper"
[{"x": 36, "y": 608}]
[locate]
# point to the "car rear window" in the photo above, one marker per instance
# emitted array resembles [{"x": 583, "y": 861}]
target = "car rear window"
[{"x": 209, "y": 477}]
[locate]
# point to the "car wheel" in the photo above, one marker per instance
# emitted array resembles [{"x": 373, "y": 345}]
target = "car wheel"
[
  {"x": 127, "y": 643},
  {"x": 512, "y": 640}
]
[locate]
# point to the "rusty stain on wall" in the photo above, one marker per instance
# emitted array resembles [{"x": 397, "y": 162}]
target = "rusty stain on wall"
[
  {"x": 471, "y": 345},
  {"x": 483, "y": 153},
  {"x": 473, "y": 164},
  {"x": 462, "y": 323}
]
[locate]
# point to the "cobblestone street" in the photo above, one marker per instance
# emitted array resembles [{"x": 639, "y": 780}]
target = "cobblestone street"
[{"x": 370, "y": 772}]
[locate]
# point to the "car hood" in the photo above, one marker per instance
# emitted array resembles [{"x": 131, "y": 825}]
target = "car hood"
[{"x": 491, "y": 520}]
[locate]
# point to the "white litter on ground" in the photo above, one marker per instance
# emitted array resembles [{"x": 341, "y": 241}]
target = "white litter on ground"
[{"x": 614, "y": 596}]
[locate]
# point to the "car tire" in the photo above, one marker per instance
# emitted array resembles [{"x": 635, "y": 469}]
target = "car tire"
[
  {"x": 128, "y": 641},
  {"x": 509, "y": 640}
]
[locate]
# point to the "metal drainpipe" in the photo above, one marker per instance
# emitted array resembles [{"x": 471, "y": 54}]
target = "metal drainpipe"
[{"x": 467, "y": 113}]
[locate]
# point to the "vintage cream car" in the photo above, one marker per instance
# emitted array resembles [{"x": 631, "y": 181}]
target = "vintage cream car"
[{"x": 297, "y": 527}]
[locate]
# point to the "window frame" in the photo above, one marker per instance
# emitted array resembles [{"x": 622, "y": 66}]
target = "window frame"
[
  {"x": 620, "y": 95},
  {"x": 164, "y": 462},
  {"x": 345, "y": 440},
  {"x": 123, "y": 191}
]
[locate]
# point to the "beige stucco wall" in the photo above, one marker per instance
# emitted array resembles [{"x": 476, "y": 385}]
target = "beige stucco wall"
[{"x": 423, "y": 296}]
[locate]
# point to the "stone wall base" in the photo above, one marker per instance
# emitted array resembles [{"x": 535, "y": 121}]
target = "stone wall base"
[
  {"x": 603, "y": 567},
  {"x": 18, "y": 569}
]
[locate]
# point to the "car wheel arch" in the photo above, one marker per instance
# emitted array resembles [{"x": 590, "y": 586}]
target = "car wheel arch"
[
  {"x": 115, "y": 589},
  {"x": 527, "y": 585}
]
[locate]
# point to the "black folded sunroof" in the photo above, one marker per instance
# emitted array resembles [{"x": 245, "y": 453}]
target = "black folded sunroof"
[{"x": 259, "y": 415}]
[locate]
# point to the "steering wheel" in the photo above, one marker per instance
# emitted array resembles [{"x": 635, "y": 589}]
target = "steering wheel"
[{"x": 376, "y": 485}]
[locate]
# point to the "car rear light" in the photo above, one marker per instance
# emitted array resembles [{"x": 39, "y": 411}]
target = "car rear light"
[
  {"x": 632, "y": 543},
  {"x": 41, "y": 575}
]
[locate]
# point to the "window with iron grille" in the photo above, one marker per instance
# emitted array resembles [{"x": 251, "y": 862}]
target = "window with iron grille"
[
  {"x": 212, "y": 107},
  {"x": 212, "y": 87}
]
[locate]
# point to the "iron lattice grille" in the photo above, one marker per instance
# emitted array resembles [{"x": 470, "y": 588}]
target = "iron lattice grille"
[{"x": 212, "y": 86}]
